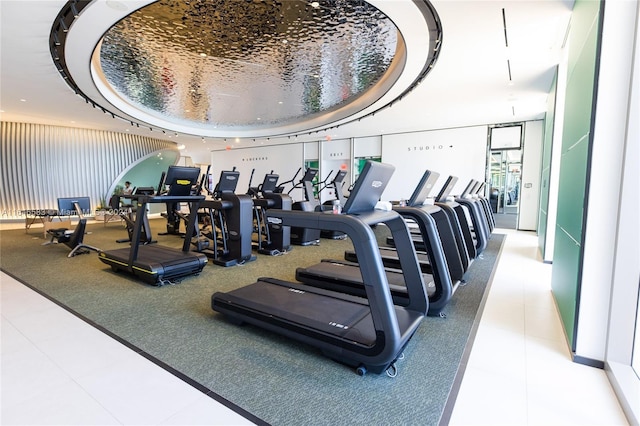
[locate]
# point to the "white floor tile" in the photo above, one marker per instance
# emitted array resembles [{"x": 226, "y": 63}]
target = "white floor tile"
[
  {"x": 485, "y": 399},
  {"x": 27, "y": 373},
  {"x": 203, "y": 412},
  {"x": 67, "y": 404},
  {"x": 136, "y": 391}
]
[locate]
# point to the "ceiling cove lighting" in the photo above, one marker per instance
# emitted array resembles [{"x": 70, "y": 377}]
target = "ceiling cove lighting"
[{"x": 306, "y": 108}]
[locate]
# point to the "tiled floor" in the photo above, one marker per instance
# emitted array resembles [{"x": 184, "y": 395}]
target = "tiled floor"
[{"x": 519, "y": 371}]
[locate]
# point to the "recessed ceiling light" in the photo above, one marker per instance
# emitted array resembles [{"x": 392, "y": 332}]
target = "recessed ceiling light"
[
  {"x": 258, "y": 118},
  {"x": 23, "y": 100},
  {"x": 116, "y": 5},
  {"x": 280, "y": 102},
  {"x": 204, "y": 55},
  {"x": 315, "y": 4},
  {"x": 285, "y": 41}
]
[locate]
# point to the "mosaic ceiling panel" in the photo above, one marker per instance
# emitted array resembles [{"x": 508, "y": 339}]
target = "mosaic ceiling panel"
[{"x": 247, "y": 64}]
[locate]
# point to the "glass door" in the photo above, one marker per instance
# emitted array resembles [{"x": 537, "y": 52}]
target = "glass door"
[{"x": 506, "y": 172}]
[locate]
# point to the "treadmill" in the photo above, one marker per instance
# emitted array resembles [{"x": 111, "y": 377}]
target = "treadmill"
[
  {"x": 157, "y": 264},
  {"x": 450, "y": 235},
  {"x": 457, "y": 211},
  {"x": 367, "y": 333},
  {"x": 478, "y": 219},
  {"x": 346, "y": 276},
  {"x": 476, "y": 194}
]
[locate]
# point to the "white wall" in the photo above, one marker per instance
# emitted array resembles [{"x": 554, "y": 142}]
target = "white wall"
[
  {"x": 284, "y": 160},
  {"x": 529, "y": 197},
  {"x": 459, "y": 152}
]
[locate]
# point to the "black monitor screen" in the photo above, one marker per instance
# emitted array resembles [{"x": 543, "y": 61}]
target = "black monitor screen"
[
  {"x": 423, "y": 189},
  {"x": 479, "y": 188},
  {"x": 309, "y": 175},
  {"x": 446, "y": 189},
  {"x": 145, "y": 190},
  {"x": 468, "y": 189},
  {"x": 340, "y": 177},
  {"x": 269, "y": 183},
  {"x": 228, "y": 181},
  {"x": 67, "y": 206},
  {"x": 181, "y": 179},
  {"x": 369, "y": 187}
]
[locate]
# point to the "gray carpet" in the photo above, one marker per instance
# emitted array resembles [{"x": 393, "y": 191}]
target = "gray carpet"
[
  {"x": 506, "y": 221},
  {"x": 265, "y": 377}
]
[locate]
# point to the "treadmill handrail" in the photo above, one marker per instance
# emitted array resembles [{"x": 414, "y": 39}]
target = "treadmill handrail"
[
  {"x": 167, "y": 198},
  {"x": 358, "y": 228},
  {"x": 435, "y": 250}
]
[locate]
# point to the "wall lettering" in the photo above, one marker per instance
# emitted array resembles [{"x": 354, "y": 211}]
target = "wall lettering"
[{"x": 426, "y": 147}]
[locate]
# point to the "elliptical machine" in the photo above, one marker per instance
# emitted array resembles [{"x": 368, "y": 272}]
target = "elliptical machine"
[
  {"x": 273, "y": 238},
  {"x": 306, "y": 236},
  {"x": 336, "y": 183},
  {"x": 230, "y": 217}
]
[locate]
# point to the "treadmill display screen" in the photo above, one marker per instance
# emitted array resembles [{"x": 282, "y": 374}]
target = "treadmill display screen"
[
  {"x": 369, "y": 187},
  {"x": 446, "y": 189},
  {"x": 423, "y": 189}
]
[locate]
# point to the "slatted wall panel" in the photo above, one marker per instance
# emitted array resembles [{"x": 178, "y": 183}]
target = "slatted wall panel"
[{"x": 41, "y": 163}]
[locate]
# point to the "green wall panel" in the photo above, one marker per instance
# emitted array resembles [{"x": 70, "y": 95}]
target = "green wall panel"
[
  {"x": 566, "y": 261},
  {"x": 573, "y": 171},
  {"x": 574, "y": 163}
]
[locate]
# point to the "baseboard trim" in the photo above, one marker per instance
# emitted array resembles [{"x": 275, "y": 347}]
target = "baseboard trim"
[{"x": 588, "y": 361}]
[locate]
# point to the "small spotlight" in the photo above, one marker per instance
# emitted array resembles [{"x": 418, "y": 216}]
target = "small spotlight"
[
  {"x": 64, "y": 26},
  {"x": 74, "y": 10}
]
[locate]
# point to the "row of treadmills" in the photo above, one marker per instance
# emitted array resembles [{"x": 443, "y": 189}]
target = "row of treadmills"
[{"x": 363, "y": 310}]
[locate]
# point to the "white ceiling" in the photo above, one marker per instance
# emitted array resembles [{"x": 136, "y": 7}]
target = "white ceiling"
[{"x": 469, "y": 85}]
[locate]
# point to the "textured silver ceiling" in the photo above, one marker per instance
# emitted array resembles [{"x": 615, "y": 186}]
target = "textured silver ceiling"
[{"x": 251, "y": 64}]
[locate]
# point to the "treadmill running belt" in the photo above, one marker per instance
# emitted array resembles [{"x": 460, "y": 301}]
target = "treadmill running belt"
[
  {"x": 318, "y": 310},
  {"x": 346, "y": 277},
  {"x": 156, "y": 262},
  {"x": 390, "y": 259}
]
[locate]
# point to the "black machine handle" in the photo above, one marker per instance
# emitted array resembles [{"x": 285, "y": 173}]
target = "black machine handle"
[
  {"x": 323, "y": 184},
  {"x": 202, "y": 179},
  {"x": 280, "y": 188}
]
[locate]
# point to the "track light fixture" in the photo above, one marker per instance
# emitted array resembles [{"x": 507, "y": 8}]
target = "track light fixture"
[
  {"x": 74, "y": 10},
  {"x": 63, "y": 25}
]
